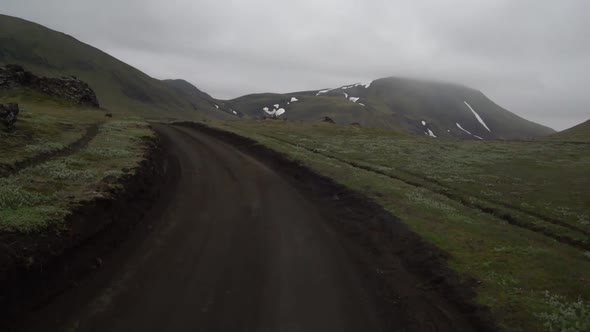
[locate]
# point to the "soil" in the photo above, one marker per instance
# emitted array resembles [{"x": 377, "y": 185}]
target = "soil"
[
  {"x": 36, "y": 267},
  {"x": 244, "y": 239}
]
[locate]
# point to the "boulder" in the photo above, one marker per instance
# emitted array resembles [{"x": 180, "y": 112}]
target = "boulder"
[{"x": 9, "y": 114}]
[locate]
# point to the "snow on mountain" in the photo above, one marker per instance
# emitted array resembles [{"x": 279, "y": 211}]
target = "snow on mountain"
[
  {"x": 467, "y": 131},
  {"x": 477, "y": 116}
]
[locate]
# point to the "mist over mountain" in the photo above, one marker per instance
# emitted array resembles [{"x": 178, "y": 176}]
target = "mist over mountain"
[{"x": 421, "y": 107}]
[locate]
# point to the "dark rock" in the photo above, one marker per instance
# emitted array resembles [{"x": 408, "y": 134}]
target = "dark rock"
[
  {"x": 69, "y": 88},
  {"x": 109, "y": 115},
  {"x": 9, "y": 114},
  {"x": 328, "y": 119}
]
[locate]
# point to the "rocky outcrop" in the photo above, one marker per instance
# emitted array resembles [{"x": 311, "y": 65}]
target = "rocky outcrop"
[
  {"x": 69, "y": 88},
  {"x": 328, "y": 119},
  {"x": 9, "y": 113}
]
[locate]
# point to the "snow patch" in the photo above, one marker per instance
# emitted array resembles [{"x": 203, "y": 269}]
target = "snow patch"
[
  {"x": 477, "y": 116},
  {"x": 366, "y": 85},
  {"x": 216, "y": 106},
  {"x": 265, "y": 109},
  {"x": 293, "y": 100},
  {"x": 467, "y": 131},
  {"x": 234, "y": 112},
  {"x": 323, "y": 91},
  {"x": 280, "y": 111},
  {"x": 431, "y": 134},
  {"x": 354, "y": 99},
  {"x": 276, "y": 105},
  {"x": 345, "y": 95},
  {"x": 423, "y": 123},
  {"x": 362, "y": 104}
]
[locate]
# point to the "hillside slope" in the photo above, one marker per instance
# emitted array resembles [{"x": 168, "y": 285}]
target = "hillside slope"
[
  {"x": 579, "y": 133},
  {"x": 199, "y": 100},
  {"x": 119, "y": 87},
  {"x": 415, "y": 106}
]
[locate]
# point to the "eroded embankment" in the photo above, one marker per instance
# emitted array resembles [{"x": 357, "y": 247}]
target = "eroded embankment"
[
  {"x": 37, "y": 266},
  {"x": 377, "y": 241}
]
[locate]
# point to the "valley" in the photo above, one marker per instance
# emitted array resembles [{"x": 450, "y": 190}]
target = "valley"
[{"x": 129, "y": 202}]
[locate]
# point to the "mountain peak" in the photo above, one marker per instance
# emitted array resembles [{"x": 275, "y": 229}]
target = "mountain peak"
[{"x": 418, "y": 106}]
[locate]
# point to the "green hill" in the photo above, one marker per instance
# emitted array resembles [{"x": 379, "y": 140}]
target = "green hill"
[
  {"x": 579, "y": 133},
  {"x": 119, "y": 87},
  {"x": 415, "y": 106}
]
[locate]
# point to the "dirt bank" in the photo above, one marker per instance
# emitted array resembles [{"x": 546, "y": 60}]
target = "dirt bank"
[
  {"x": 380, "y": 242},
  {"x": 36, "y": 267},
  {"x": 244, "y": 239}
]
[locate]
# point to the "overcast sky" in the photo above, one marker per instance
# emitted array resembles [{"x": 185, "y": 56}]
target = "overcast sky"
[{"x": 530, "y": 56}]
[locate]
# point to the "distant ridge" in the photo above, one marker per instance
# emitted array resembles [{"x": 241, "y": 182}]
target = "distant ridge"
[
  {"x": 579, "y": 132},
  {"x": 434, "y": 109},
  {"x": 427, "y": 108}
]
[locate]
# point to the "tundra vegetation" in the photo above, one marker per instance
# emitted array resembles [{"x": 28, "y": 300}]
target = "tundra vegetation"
[
  {"x": 38, "y": 193},
  {"x": 513, "y": 215}
]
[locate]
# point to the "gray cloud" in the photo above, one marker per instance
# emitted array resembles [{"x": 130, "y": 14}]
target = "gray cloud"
[{"x": 532, "y": 57}]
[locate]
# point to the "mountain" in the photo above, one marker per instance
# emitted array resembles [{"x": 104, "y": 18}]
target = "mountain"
[
  {"x": 119, "y": 87},
  {"x": 201, "y": 101},
  {"x": 579, "y": 133},
  {"x": 415, "y": 106}
]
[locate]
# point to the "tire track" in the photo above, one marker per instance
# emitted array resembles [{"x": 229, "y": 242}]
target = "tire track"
[
  {"x": 509, "y": 218},
  {"x": 8, "y": 170}
]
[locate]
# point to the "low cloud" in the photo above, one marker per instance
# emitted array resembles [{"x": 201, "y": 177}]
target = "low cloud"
[{"x": 530, "y": 57}]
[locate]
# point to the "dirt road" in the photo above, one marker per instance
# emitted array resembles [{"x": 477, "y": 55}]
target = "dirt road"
[{"x": 233, "y": 246}]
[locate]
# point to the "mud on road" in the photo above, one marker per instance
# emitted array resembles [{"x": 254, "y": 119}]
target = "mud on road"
[{"x": 244, "y": 239}]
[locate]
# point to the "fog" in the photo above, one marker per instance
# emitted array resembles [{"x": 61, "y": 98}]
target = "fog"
[{"x": 530, "y": 57}]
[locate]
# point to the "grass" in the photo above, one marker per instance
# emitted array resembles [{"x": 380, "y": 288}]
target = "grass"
[
  {"x": 579, "y": 133},
  {"x": 566, "y": 316},
  {"x": 464, "y": 197},
  {"x": 41, "y": 196},
  {"x": 44, "y": 125}
]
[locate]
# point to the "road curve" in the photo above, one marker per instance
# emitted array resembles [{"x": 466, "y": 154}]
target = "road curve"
[
  {"x": 231, "y": 245},
  {"x": 234, "y": 248}
]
